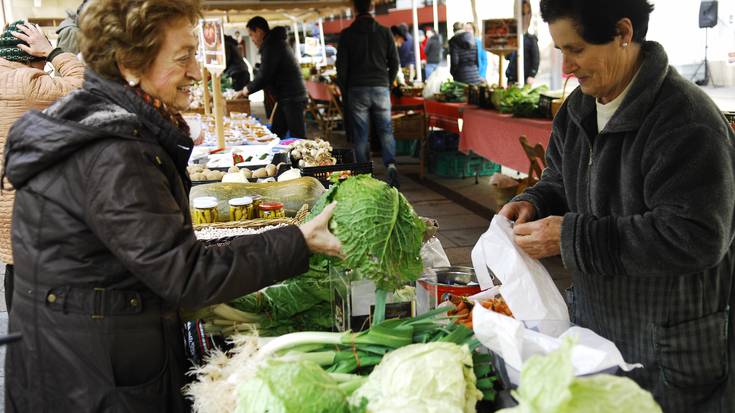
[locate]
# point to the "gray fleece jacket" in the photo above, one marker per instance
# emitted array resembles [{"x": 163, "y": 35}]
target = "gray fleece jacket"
[{"x": 649, "y": 208}]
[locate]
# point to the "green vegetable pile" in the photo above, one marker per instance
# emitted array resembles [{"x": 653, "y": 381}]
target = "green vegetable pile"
[
  {"x": 453, "y": 91},
  {"x": 548, "y": 384},
  {"x": 520, "y": 101}
]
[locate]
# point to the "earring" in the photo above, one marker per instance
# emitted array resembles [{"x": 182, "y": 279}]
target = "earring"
[
  {"x": 133, "y": 82},
  {"x": 625, "y": 44}
]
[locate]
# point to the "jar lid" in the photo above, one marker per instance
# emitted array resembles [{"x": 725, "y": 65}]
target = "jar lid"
[
  {"x": 205, "y": 202},
  {"x": 246, "y": 200},
  {"x": 270, "y": 206}
]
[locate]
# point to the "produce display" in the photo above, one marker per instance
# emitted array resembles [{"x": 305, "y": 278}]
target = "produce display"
[
  {"x": 463, "y": 308},
  {"x": 240, "y": 129},
  {"x": 312, "y": 153},
  {"x": 244, "y": 175},
  {"x": 440, "y": 371},
  {"x": 520, "y": 101},
  {"x": 451, "y": 91},
  {"x": 548, "y": 384},
  {"x": 200, "y": 173}
]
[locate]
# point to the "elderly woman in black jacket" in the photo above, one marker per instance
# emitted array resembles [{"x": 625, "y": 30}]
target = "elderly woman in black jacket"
[
  {"x": 104, "y": 248},
  {"x": 639, "y": 200}
]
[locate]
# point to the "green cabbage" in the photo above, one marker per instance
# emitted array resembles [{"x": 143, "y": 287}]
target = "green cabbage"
[
  {"x": 291, "y": 387},
  {"x": 381, "y": 234},
  {"x": 421, "y": 378},
  {"x": 548, "y": 385}
]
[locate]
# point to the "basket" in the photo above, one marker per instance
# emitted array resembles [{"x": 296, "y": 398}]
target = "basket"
[
  {"x": 409, "y": 126},
  {"x": 345, "y": 162}
]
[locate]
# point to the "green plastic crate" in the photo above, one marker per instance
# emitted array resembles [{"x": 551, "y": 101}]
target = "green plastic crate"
[
  {"x": 406, "y": 147},
  {"x": 459, "y": 165}
]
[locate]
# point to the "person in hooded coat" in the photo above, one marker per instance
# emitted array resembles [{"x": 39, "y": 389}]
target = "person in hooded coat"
[
  {"x": 463, "y": 53},
  {"x": 280, "y": 75},
  {"x": 105, "y": 253}
]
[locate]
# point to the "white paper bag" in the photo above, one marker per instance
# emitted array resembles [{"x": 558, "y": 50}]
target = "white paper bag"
[{"x": 526, "y": 287}]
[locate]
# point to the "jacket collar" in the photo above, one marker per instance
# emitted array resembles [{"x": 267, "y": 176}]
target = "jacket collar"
[{"x": 654, "y": 69}]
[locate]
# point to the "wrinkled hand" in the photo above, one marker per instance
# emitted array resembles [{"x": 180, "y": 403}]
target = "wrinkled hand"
[
  {"x": 541, "y": 238},
  {"x": 242, "y": 93},
  {"x": 519, "y": 212},
  {"x": 38, "y": 44},
  {"x": 317, "y": 235}
]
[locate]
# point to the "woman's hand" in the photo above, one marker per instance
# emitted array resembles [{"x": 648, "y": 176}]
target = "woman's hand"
[
  {"x": 317, "y": 235},
  {"x": 520, "y": 212},
  {"x": 38, "y": 44},
  {"x": 540, "y": 239}
]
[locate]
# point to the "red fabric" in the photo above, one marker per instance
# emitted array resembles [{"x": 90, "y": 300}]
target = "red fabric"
[
  {"x": 422, "y": 47},
  {"x": 317, "y": 90},
  {"x": 494, "y": 136},
  {"x": 444, "y": 115}
]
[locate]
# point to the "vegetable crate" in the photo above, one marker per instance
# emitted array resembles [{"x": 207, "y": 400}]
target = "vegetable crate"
[
  {"x": 458, "y": 165},
  {"x": 345, "y": 165},
  {"x": 406, "y": 148}
]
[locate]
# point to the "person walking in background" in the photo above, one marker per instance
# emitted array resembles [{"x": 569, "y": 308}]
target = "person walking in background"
[
  {"x": 24, "y": 51},
  {"x": 406, "y": 52},
  {"x": 481, "y": 53},
  {"x": 280, "y": 75},
  {"x": 433, "y": 50},
  {"x": 367, "y": 64},
  {"x": 463, "y": 54},
  {"x": 67, "y": 31},
  {"x": 236, "y": 68},
  {"x": 531, "y": 55}
]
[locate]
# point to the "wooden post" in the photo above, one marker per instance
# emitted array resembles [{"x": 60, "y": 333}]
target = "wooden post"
[
  {"x": 205, "y": 97},
  {"x": 219, "y": 114}
]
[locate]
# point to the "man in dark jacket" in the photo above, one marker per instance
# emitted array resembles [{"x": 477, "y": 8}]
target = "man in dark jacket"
[
  {"x": 463, "y": 52},
  {"x": 531, "y": 56},
  {"x": 433, "y": 51},
  {"x": 367, "y": 64},
  {"x": 280, "y": 75},
  {"x": 236, "y": 68},
  {"x": 406, "y": 52}
]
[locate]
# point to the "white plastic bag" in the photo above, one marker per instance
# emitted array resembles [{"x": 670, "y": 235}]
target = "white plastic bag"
[
  {"x": 527, "y": 287},
  {"x": 434, "y": 82},
  {"x": 433, "y": 255}
]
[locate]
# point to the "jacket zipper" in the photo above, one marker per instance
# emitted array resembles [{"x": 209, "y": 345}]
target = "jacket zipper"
[{"x": 589, "y": 176}]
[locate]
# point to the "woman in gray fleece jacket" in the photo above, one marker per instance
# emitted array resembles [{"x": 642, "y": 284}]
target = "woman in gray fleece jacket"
[{"x": 639, "y": 201}]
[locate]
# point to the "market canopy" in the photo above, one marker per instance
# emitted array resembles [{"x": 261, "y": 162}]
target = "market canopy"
[{"x": 276, "y": 11}]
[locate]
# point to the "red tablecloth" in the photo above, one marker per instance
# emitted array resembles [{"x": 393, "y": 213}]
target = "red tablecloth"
[{"x": 494, "y": 136}]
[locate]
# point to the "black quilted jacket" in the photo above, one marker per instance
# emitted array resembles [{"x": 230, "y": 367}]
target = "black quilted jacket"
[{"x": 105, "y": 254}]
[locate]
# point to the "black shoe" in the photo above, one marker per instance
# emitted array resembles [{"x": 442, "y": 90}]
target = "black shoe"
[{"x": 392, "y": 173}]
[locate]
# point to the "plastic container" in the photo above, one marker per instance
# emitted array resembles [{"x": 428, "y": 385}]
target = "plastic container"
[
  {"x": 205, "y": 210},
  {"x": 271, "y": 210},
  {"x": 434, "y": 287},
  {"x": 241, "y": 208}
]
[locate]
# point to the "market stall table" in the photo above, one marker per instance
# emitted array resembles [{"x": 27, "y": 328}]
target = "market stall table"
[{"x": 494, "y": 136}]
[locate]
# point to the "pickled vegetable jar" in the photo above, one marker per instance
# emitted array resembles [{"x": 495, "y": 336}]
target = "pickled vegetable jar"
[
  {"x": 270, "y": 210},
  {"x": 205, "y": 210},
  {"x": 241, "y": 208}
]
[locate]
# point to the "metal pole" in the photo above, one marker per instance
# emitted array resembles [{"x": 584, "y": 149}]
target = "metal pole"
[
  {"x": 297, "y": 52},
  {"x": 321, "y": 39},
  {"x": 521, "y": 75},
  {"x": 416, "y": 52},
  {"x": 436, "y": 17}
]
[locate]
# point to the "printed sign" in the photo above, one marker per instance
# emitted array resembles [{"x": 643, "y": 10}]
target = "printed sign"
[{"x": 212, "y": 41}]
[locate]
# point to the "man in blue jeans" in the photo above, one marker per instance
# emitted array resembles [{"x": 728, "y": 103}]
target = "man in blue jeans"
[{"x": 367, "y": 64}]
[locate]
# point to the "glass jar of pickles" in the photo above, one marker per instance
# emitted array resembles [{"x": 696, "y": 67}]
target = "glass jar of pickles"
[
  {"x": 241, "y": 208},
  {"x": 271, "y": 210},
  {"x": 257, "y": 200},
  {"x": 205, "y": 210}
]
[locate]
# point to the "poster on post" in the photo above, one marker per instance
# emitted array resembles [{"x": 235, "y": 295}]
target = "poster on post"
[{"x": 212, "y": 40}]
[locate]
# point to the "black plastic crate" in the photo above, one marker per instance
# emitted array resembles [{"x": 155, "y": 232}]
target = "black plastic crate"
[{"x": 345, "y": 162}]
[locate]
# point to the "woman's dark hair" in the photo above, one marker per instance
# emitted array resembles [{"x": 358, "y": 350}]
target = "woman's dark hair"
[
  {"x": 258, "y": 22},
  {"x": 596, "y": 19},
  {"x": 362, "y": 6}
]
